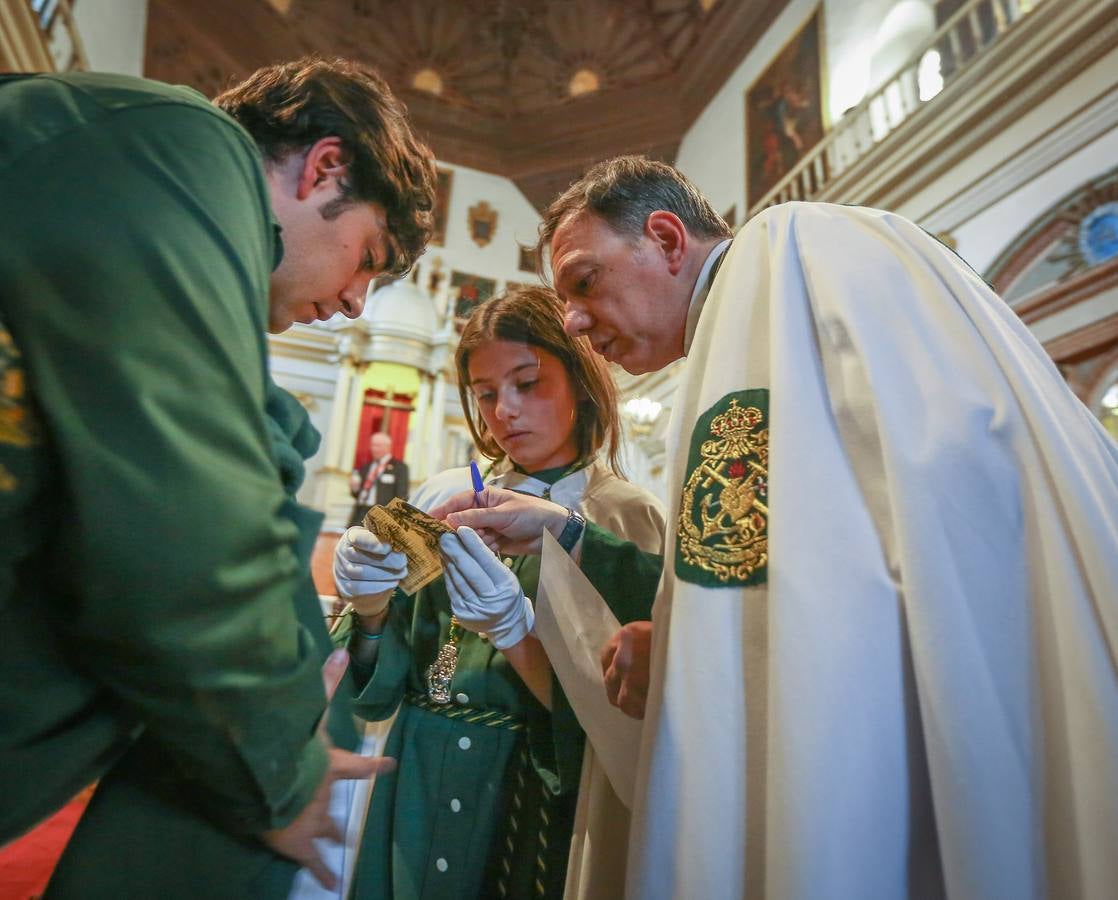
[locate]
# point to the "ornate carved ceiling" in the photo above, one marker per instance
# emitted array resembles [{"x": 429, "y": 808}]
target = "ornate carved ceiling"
[{"x": 535, "y": 90}]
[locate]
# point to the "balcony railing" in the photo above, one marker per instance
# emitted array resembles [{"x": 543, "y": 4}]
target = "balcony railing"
[
  {"x": 62, "y": 35},
  {"x": 950, "y": 51}
]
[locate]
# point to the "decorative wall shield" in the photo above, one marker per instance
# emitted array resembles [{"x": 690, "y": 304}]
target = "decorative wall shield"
[{"x": 483, "y": 223}]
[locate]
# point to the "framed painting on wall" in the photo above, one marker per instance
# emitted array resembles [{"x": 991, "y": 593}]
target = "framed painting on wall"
[
  {"x": 784, "y": 111},
  {"x": 469, "y": 290},
  {"x": 442, "y": 205},
  {"x": 527, "y": 259}
]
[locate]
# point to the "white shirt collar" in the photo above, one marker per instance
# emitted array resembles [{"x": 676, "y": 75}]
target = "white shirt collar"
[
  {"x": 699, "y": 294},
  {"x": 567, "y": 491}
]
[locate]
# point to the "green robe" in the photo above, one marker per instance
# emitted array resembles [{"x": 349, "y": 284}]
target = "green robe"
[
  {"x": 482, "y": 803},
  {"x": 149, "y": 557},
  {"x": 142, "y": 807}
]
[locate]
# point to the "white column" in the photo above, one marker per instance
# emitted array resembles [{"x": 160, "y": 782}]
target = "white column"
[
  {"x": 331, "y": 482},
  {"x": 436, "y": 431},
  {"x": 332, "y": 487},
  {"x": 415, "y": 455},
  {"x": 352, "y": 420},
  {"x": 335, "y": 431}
]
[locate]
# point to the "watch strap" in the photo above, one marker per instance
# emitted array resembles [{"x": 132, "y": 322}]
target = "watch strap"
[{"x": 572, "y": 531}]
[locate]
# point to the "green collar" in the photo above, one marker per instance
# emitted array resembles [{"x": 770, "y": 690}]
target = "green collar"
[{"x": 556, "y": 474}]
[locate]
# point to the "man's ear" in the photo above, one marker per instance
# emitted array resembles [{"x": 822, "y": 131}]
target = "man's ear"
[
  {"x": 324, "y": 164},
  {"x": 667, "y": 231}
]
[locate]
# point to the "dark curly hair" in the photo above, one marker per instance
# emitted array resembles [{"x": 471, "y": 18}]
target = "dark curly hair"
[{"x": 288, "y": 107}]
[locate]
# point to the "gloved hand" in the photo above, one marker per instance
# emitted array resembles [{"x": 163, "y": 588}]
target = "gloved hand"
[
  {"x": 484, "y": 593},
  {"x": 366, "y": 570}
]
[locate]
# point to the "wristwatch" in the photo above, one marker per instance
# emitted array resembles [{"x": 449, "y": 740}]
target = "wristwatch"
[{"x": 572, "y": 531}]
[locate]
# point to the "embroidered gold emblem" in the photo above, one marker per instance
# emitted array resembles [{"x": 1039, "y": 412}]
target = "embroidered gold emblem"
[
  {"x": 723, "y": 515},
  {"x": 18, "y": 422}
]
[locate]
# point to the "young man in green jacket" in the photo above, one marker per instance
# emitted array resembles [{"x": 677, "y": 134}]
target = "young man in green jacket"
[{"x": 153, "y": 571}]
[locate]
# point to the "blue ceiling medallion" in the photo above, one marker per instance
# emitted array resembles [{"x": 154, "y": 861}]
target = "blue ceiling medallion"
[{"x": 1098, "y": 234}]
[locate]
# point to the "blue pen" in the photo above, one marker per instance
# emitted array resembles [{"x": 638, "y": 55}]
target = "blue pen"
[{"x": 475, "y": 477}]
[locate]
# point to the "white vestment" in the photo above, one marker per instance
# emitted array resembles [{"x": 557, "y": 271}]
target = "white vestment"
[{"x": 920, "y": 698}]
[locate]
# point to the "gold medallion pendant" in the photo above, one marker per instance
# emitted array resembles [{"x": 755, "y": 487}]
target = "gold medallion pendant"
[
  {"x": 441, "y": 672},
  {"x": 724, "y": 512}
]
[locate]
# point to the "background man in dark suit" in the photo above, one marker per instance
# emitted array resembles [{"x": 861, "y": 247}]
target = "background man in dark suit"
[{"x": 379, "y": 480}]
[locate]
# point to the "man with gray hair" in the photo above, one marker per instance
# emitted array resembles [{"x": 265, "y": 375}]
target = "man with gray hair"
[{"x": 881, "y": 658}]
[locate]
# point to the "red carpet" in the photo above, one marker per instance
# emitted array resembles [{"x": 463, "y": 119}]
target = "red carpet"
[{"x": 26, "y": 863}]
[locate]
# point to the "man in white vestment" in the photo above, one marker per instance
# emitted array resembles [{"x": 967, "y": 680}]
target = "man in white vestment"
[{"x": 884, "y": 653}]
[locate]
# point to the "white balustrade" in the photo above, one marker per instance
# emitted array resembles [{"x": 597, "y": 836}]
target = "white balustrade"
[{"x": 954, "y": 47}]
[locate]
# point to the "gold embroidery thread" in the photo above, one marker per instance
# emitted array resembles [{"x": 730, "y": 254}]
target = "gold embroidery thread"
[
  {"x": 18, "y": 423},
  {"x": 728, "y": 489}
]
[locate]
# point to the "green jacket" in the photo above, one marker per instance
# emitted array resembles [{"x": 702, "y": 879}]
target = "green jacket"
[
  {"x": 149, "y": 556},
  {"x": 483, "y": 801},
  {"x": 140, "y": 809}
]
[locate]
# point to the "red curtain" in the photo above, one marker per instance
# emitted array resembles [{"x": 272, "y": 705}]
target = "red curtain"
[{"x": 372, "y": 418}]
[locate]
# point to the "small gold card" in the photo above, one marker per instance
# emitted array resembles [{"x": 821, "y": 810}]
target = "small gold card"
[{"x": 413, "y": 533}]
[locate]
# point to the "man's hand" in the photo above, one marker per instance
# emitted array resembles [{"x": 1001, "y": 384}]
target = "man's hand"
[
  {"x": 296, "y": 839},
  {"x": 367, "y": 570},
  {"x": 626, "y": 659},
  {"x": 504, "y": 519},
  {"x": 485, "y": 595}
]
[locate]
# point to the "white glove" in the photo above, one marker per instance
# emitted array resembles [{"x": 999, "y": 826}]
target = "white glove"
[
  {"x": 366, "y": 570},
  {"x": 484, "y": 593}
]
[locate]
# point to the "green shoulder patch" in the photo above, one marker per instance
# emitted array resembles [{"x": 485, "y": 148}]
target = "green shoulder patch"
[{"x": 724, "y": 512}]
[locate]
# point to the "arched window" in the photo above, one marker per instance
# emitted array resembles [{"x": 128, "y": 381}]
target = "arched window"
[{"x": 1060, "y": 275}]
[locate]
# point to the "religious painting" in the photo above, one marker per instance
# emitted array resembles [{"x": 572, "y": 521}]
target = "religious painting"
[
  {"x": 442, "y": 205},
  {"x": 784, "y": 111},
  {"x": 468, "y": 291},
  {"x": 483, "y": 223},
  {"x": 527, "y": 262}
]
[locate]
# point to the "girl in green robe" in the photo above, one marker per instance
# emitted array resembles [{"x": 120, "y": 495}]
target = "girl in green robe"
[{"x": 483, "y": 801}]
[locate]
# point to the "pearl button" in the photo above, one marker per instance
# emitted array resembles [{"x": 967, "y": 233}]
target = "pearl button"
[
  {"x": 441, "y": 864},
  {"x": 464, "y": 743},
  {"x": 456, "y": 805},
  {"x": 462, "y": 698}
]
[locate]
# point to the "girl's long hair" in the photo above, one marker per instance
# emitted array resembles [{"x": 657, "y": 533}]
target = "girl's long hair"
[{"x": 533, "y": 315}]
